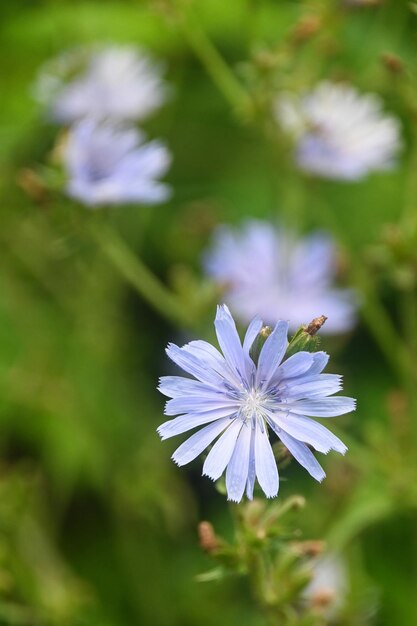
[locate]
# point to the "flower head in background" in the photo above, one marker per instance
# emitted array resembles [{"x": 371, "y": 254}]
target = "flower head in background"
[
  {"x": 118, "y": 83},
  {"x": 328, "y": 587},
  {"x": 269, "y": 272},
  {"x": 340, "y": 133},
  {"x": 110, "y": 165},
  {"x": 236, "y": 402}
]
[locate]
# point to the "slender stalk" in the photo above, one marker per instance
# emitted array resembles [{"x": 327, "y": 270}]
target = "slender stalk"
[
  {"x": 409, "y": 214},
  {"x": 380, "y": 324},
  {"x": 141, "y": 278},
  {"x": 216, "y": 67},
  {"x": 373, "y": 312}
]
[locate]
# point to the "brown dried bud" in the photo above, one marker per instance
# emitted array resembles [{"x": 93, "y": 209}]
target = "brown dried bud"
[
  {"x": 315, "y": 325},
  {"x": 392, "y": 63},
  {"x": 306, "y": 28},
  {"x": 310, "y": 548},
  {"x": 209, "y": 542},
  {"x": 32, "y": 185},
  {"x": 322, "y": 598}
]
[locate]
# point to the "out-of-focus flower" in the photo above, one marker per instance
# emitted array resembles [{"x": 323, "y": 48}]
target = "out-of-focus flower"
[
  {"x": 328, "y": 587},
  {"x": 119, "y": 83},
  {"x": 107, "y": 164},
  {"x": 236, "y": 401},
  {"x": 339, "y": 133},
  {"x": 269, "y": 272}
]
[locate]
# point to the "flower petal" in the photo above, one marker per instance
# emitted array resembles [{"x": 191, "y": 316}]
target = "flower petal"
[
  {"x": 191, "y": 364},
  {"x": 311, "y": 432},
  {"x": 229, "y": 341},
  {"x": 211, "y": 357},
  {"x": 272, "y": 353},
  {"x": 250, "y": 484},
  {"x": 314, "y": 387},
  {"x": 296, "y": 365},
  {"x": 198, "y": 442},
  {"x": 237, "y": 469},
  {"x": 325, "y": 407},
  {"x": 303, "y": 455},
  {"x": 220, "y": 454},
  {"x": 252, "y": 332},
  {"x": 186, "y": 422},
  {"x": 193, "y": 404},
  {"x": 320, "y": 360},
  {"x": 265, "y": 464},
  {"x": 178, "y": 386}
]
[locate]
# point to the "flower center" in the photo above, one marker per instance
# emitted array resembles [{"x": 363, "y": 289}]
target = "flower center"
[{"x": 252, "y": 405}]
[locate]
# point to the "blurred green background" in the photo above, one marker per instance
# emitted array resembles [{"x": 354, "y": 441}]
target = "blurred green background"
[{"x": 97, "y": 525}]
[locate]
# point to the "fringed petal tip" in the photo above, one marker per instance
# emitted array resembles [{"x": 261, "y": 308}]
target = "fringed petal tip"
[
  {"x": 160, "y": 431},
  {"x": 234, "y": 499},
  {"x": 321, "y": 477},
  {"x": 176, "y": 461},
  {"x": 169, "y": 348},
  {"x": 271, "y": 496}
]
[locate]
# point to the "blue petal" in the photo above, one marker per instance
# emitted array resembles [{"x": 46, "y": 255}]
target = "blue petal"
[
  {"x": 198, "y": 442},
  {"x": 325, "y": 407},
  {"x": 272, "y": 353},
  {"x": 265, "y": 464},
  {"x": 192, "y": 404},
  {"x": 193, "y": 365},
  {"x": 313, "y": 387},
  {"x": 296, "y": 365},
  {"x": 237, "y": 469},
  {"x": 211, "y": 357},
  {"x": 311, "y": 432},
  {"x": 186, "y": 422},
  {"x": 252, "y": 470},
  {"x": 229, "y": 342},
  {"x": 303, "y": 455},
  {"x": 178, "y": 386},
  {"x": 320, "y": 360},
  {"x": 220, "y": 454},
  {"x": 252, "y": 332}
]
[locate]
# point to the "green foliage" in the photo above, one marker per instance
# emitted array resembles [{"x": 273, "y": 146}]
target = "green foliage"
[{"x": 97, "y": 525}]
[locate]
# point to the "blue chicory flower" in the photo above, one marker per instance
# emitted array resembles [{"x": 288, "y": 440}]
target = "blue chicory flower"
[
  {"x": 237, "y": 402},
  {"x": 117, "y": 82},
  {"x": 274, "y": 273},
  {"x": 107, "y": 164},
  {"x": 339, "y": 132}
]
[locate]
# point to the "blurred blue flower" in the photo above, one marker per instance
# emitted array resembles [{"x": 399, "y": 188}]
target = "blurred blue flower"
[
  {"x": 237, "y": 401},
  {"x": 269, "y": 272},
  {"x": 340, "y": 133},
  {"x": 119, "y": 83},
  {"x": 110, "y": 165}
]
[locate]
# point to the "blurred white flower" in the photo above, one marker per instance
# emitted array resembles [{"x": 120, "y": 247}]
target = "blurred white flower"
[
  {"x": 118, "y": 83},
  {"x": 269, "y": 272},
  {"x": 339, "y": 133},
  {"x": 328, "y": 587},
  {"x": 110, "y": 165}
]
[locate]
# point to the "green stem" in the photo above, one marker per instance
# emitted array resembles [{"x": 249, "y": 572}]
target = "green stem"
[
  {"x": 216, "y": 67},
  {"x": 141, "y": 278},
  {"x": 409, "y": 214},
  {"x": 372, "y": 310},
  {"x": 380, "y": 324}
]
